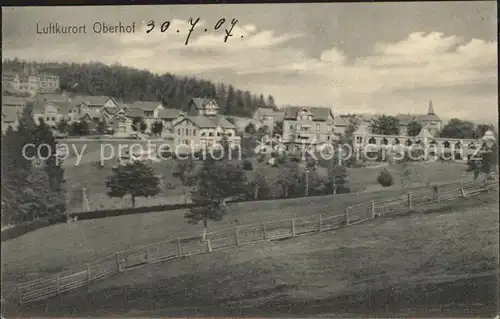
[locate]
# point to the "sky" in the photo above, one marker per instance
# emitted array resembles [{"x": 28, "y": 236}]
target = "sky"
[{"x": 352, "y": 57}]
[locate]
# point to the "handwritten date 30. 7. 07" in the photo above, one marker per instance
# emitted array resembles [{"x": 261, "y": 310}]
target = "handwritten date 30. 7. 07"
[{"x": 193, "y": 22}]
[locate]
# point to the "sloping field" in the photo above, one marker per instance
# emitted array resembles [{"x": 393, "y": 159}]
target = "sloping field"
[
  {"x": 68, "y": 246},
  {"x": 381, "y": 268},
  {"x": 90, "y": 175}
]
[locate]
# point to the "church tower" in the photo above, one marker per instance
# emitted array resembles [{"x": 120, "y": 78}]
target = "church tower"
[{"x": 431, "y": 109}]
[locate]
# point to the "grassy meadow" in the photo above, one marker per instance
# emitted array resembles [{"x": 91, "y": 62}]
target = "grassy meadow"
[
  {"x": 426, "y": 258},
  {"x": 88, "y": 173}
]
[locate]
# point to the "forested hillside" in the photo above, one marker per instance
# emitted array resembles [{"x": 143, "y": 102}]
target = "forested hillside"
[{"x": 128, "y": 84}]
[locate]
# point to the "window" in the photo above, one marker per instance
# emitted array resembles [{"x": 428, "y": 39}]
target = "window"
[
  {"x": 194, "y": 132},
  {"x": 328, "y": 137},
  {"x": 219, "y": 134},
  {"x": 229, "y": 134},
  {"x": 203, "y": 134},
  {"x": 53, "y": 118},
  {"x": 291, "y": 126},
  {"x": 328, "y": 127},
  {"x": 211, "y": 134},
  {"x": 186, "y": 131},
  {"x": 318, "y": 127},
  {"x": 178, "y": 131},
  {"x": 47, "y": 118},
  {"x": 359, "y": 139}
]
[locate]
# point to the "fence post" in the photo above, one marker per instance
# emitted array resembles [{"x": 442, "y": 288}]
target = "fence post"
[
  {"x": 373, "y": 208},
  {"x": 409, "y": 200},
  {"x": 264, "y": 231},
  {"x": 347, "y": 215},
  {"x": 87, "y": 266},
  {"x": 319, "y": 222},
  {"x": 118, "y": 263},
  {"x": 179, "y": 248},
  {"x": 58, "y": 284},
  {"x": 437, "y": 192},
  {"x": 463, "y": 193},
  {"x": 293, "y": 227},
  {"x": 209, "y": 247},
  {"x": 146, "y": 256},
  {"x": 237, "y": 236}
]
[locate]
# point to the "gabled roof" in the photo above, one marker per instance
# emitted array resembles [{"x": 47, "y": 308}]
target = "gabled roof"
[
  {"x": 146, "y": 105},
  {"x": 202, "y": 102},
  {"x": 111, "y": 110},
  {"x": 169, "y": 114},
  {"x": 91, "y": 100},
  {"x": 10, "y": 114},
  {"x": 210, "y": 122},
  {"x": 318, "y": 113},
  {"x": 339, "y": 121},
  {"x": 92, "y": 115}
]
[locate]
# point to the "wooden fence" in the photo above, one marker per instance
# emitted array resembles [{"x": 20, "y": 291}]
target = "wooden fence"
[{"x": 176, "y": 248}]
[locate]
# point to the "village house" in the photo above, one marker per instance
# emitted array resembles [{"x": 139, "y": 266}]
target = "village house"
[
  {"x": 51, "y": 110},
  {"x": 30, "y": 81},
  {"x": 429, "y": 121},
  {"x": 311, "y": 126},
  {"x": 90, "y": 107},
  {"x": 18, "y": 103},
  {"x": 201, "y": 126},
  {"x": 266, "y": 116},
  {"x": 10, "y": 118}
]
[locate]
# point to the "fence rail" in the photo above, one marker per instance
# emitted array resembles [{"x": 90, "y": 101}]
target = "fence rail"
[{"x": 50, "y": 286}]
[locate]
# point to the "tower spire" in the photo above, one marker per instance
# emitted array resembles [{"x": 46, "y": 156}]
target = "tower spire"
[{"x": 431, "y": 109}]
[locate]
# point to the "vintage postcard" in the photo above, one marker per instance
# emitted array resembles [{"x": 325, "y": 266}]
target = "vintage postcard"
[{"x": 250, "y": 160}]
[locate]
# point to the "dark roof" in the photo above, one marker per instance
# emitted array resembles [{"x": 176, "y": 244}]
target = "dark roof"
[
  {"x": 90, "y": 100},
  {"x": 112, "y": 109},
  {"x": 169, "y": 113},
  {"x": 318, "y": 113},
  {"x": 211, "y": 122},
  {"x": 428, "y": 117},
  {"x": 279, "y": 116},
  {"x": 134, "y": 112},
  {"x": 145, "y": 105},
  {"x": 202, "y": 102}
]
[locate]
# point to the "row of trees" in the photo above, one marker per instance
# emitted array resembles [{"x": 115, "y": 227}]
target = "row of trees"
[
  {"x": 31, "y": 189},
  {"x": 455, "y": 128},
  {"x": 213, "y": 182},
  {"x": 129, "y": 84}
]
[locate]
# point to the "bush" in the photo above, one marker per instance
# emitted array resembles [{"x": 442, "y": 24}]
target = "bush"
[
  {"x": 385, "y": 178},
  {"x": 247, "y": 165}
]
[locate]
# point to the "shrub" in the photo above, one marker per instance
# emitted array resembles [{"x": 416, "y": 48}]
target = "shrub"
[
  {"x": 247, "y": 165},
  {"x": 385, "y": 178}
]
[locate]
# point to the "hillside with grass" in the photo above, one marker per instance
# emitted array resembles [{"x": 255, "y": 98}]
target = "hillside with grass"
[{"x": 414, "y": 265}]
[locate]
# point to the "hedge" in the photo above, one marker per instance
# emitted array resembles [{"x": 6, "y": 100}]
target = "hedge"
[{"x": 26, "y": 227}]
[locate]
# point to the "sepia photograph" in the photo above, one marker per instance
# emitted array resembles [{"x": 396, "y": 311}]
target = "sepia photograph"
[{"x": 259, "y": 160}]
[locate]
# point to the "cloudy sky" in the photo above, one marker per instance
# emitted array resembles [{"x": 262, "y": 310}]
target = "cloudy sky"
[{"x": 352, "y": 57}]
